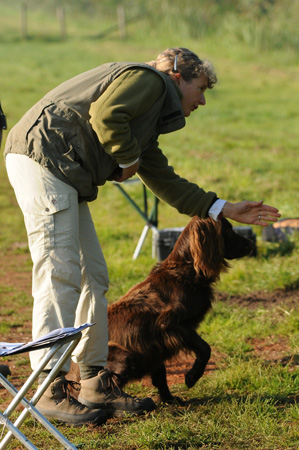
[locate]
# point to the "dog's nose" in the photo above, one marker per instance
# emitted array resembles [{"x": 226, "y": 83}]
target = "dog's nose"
[{"x": 249, "y": 248}]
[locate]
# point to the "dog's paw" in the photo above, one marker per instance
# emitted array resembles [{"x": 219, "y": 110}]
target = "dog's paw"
[
  {"x": 173, "y": 399},
  {"x": 190, "y": 380}
]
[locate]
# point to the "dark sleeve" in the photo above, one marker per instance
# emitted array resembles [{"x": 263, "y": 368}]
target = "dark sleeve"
[{"x": 188, "y": 198}]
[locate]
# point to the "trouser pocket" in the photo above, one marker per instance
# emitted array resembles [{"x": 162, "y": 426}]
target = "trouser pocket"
[{"x": 48, "y": 222}]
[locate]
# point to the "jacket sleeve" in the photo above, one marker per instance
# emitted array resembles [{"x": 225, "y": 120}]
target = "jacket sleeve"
[
  {"x": 188, "y": 198},
  {"x": 128, "y": 97}
]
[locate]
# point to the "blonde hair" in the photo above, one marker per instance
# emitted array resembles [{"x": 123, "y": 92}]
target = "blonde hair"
[{"x": 187, "y": 63}]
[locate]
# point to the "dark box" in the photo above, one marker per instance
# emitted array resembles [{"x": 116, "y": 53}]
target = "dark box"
[{"x": 165, "y": 239}]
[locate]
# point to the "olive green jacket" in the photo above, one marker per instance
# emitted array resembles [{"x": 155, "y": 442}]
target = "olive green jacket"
[{"x": 113, "y": 114}]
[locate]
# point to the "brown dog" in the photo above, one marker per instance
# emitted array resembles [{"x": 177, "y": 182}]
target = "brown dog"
[{"x": 159, "y": 317}]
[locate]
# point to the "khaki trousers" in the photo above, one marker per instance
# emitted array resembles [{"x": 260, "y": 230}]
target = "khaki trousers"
[{"x": 69, "y": 277}]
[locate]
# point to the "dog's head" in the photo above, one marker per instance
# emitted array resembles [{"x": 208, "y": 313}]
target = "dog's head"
[{"x": 209, "y": 243}]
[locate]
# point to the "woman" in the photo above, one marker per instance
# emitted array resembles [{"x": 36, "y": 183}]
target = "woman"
[{"x": 101, "y": 125}]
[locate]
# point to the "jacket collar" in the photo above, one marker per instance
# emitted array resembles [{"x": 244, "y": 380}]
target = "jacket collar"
[{"x": 172, "y": 117}]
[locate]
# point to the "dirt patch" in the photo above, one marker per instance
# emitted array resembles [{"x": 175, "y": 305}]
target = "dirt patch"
[
  {"x": 271, "y": 349},
  {"x": 260, "y": 299}
]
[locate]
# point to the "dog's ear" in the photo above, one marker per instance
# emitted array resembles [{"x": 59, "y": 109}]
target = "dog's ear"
[{"x": 206, "y": 247}]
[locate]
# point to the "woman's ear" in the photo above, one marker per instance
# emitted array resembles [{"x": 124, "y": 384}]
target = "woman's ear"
[{"x": 176, "y": 77}]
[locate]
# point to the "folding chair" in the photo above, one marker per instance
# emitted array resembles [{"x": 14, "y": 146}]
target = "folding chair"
[
  {"x": 151, "y": 218},
  {"x": 54, "y": 340}
]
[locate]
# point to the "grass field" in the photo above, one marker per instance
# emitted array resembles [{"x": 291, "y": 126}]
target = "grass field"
[{"x": 243, "y": 145}]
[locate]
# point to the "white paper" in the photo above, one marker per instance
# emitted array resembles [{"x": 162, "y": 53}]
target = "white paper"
[{"x": 8, "y": 348}]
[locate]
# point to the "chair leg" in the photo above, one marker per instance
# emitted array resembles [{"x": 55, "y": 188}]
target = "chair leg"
[
  {"x": 17, "y": 433},
  {"x": 29, "y": 406},
  {"x": 141, "y": 241},
  {"x": 29, "y": 409}
]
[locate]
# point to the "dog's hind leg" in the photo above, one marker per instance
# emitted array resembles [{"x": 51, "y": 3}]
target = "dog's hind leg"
[
  {"x": 160, "y": 382},
  {"x": 202, "y": 351}
]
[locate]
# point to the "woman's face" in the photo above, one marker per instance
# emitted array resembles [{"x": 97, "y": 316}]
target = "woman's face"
[{"x": 193, "y": 93}]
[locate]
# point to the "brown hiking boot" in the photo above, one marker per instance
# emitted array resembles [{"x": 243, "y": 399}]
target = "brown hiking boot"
[
  {"x": 103, "y": 392},
  {"x": 57, "y": 403}
]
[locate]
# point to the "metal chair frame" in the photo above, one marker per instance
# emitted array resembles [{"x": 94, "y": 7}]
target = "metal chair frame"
[
  {"x": 29, "y": 406},
  {"x": 151, "y": 218}
]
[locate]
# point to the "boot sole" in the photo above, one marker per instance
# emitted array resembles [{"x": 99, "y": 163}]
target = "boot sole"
[
  {"x": 100, "y": 419},
  {"x": 114, "y": 412}
]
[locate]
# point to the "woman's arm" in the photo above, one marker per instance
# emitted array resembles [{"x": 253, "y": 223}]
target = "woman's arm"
[{"x": 128, "y": 97}]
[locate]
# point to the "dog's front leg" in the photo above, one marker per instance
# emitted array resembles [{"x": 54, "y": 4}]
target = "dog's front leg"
[
  {"x": 160, "y": 382},
  {"x": 202, "y": 351}
]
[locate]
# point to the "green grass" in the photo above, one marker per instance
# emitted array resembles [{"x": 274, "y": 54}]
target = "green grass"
[{"x": 242, "y": 145}]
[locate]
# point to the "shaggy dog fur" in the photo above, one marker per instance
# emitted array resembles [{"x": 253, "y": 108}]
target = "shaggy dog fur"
[{"x": 159, "y": 317}]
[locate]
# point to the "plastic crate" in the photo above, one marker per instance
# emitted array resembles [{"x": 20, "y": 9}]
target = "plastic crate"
[{"x": 164, "y": 241}]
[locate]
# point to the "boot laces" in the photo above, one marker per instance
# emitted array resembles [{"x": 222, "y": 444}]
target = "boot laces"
[
  {"x": 66, "y": 388},
  {"x": 113, "y": 386},
  {"x": 116, "y": 390}
]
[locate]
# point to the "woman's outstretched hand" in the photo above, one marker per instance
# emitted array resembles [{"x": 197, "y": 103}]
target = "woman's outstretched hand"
[{"x": 253, "y": 213}]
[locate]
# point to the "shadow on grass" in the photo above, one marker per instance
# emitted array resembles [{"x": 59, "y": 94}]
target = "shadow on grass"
[{"x": 277, "y": 400}]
